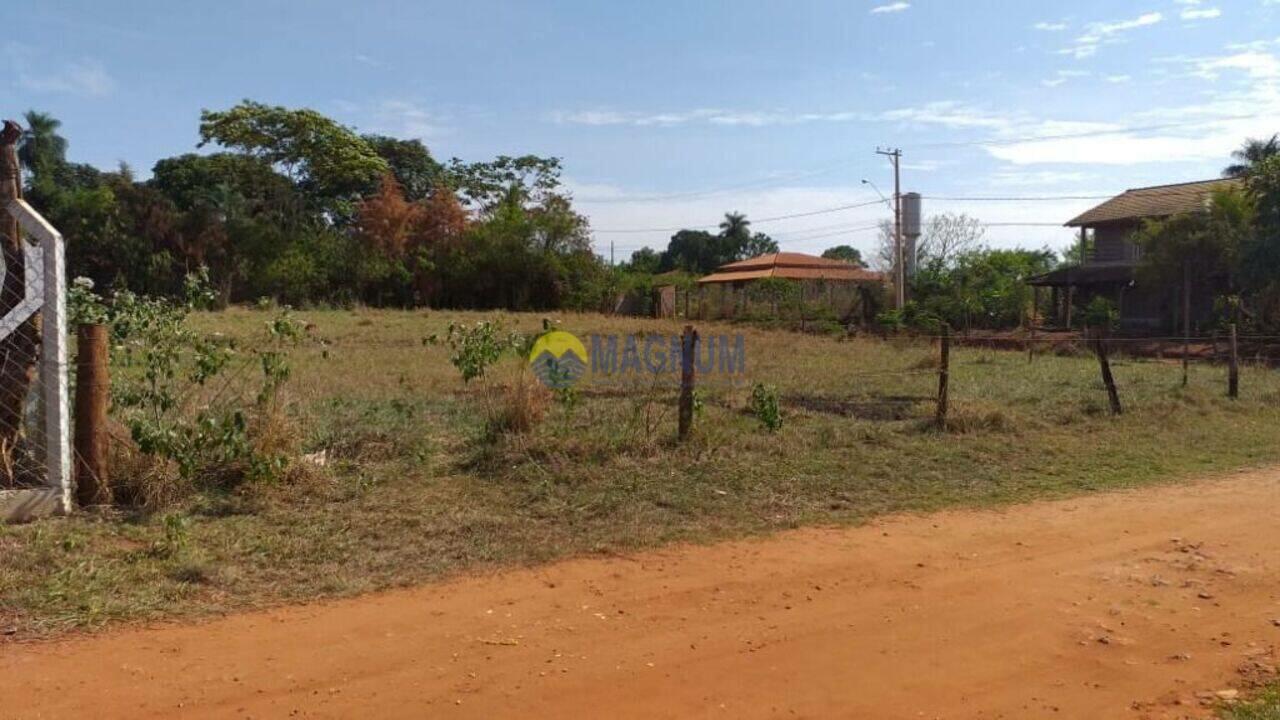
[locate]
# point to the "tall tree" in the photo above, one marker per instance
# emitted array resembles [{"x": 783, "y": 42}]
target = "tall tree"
[
  {"x": 947, "y": 236},
  {"x": 410, "y": 161},
  {"x": 847, "y": 253},
  {"x": 645, "y": 260},
  {"x": 328, "y": 161},
  {"x": 756, "y": 245},
  {"x": 386, "y": 222},
  {"x": 735, "y": 226},
  {"x": 1190, "y": 250},
  {"x": 41, "y": 149},
  {"x": 1253, "y": 152},
  {"x": 696, "y": 251},
  {"x": 527, "y": 180}
]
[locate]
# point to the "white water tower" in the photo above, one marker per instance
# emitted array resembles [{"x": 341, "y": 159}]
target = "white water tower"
[{"x": 910, "y": 230}]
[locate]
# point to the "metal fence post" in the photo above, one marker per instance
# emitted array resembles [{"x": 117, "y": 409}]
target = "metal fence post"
[{"x": 53, "y": 352}]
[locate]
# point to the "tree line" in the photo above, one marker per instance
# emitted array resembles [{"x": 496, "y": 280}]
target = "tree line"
[{"x": 291, "y": 205}]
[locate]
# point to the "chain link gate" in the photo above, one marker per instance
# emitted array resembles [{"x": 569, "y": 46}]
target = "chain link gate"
[{"x": 35, "y": 432}]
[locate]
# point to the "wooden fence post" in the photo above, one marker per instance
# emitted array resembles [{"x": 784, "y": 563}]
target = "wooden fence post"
[
  {"x": 1101, "y": 349},
  {"x": 944, "y": 376},
  {"x": 1186, "y": 322},
  {"x": 688, "y": 363},
  {"x": 1233, "y": 367},
  {"x": 93, "y": 384},
  {"x": 1031, "y": 324}
]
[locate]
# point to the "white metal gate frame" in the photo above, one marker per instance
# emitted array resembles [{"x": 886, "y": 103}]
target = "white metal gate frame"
[{"x": 46, "y": 283}]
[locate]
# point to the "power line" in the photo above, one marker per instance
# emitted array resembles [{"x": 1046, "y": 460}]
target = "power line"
[
  {"x": 791, "y": 216},
  {"x": 800, "y": 174},
  {"x": 1028, "y": 198},
  {"x": 836, "y": 230},
  {"x": 754, "y": 184},
  {"x": 1088, "y": 133}
]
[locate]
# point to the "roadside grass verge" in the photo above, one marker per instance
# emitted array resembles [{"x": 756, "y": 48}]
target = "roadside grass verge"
[
  {"x": 1265, "y": 706},
  {"x": 413, "y": 489}
]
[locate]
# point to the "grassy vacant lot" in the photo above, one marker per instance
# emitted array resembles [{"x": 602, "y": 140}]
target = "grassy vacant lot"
[{"x": 413, "y": 490}]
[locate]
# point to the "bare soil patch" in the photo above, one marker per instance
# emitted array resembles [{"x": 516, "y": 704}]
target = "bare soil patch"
[{"x": 1143, "y": 604}]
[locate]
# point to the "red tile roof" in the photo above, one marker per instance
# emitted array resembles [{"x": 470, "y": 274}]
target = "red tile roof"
[{"x": 793, "y": 266}]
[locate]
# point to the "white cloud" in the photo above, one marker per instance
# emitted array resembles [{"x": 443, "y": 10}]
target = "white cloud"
[
  {"x": 1118, "y": 79},
  {"x": 1197, "y": 13},
  {"x": 1254, "y": 64},
  {"x": 1063, "y": 76},
  {"x": 708, "y": 116},
  {"x": 1202, "y": 133},
  {"x": 1100, "y": 33},
  {"x": 400, "y": 118},
  {"x": 1050, "y": 26},
  {"x": 949, "y": 114},
  {"x": 890, "y": 8},
  {"x": 86, "y": 77}
]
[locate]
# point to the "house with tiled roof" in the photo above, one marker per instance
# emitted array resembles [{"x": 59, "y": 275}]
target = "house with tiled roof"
[
  {"x": 1110, "y": 258},
  {"x": 847, "y": 290}
]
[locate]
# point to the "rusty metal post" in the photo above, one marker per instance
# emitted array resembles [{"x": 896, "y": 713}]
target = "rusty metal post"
[
  {"x": 688, "y": 364},
  {"x": 93, "y": 384}
]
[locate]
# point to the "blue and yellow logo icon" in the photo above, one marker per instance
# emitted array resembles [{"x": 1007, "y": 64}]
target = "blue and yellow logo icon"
[{"x": 558, "y": 359}]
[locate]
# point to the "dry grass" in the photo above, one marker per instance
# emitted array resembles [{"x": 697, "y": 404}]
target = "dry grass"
[{"x": 415, "y": 485}]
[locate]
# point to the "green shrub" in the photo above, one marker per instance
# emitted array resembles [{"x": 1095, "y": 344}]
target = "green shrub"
[
  {"x": 199, "y": 402},
  {"x": 766, "y": 406}
]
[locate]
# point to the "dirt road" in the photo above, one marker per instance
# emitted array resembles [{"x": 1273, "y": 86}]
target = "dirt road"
[{"x": 1124, "y": 605}]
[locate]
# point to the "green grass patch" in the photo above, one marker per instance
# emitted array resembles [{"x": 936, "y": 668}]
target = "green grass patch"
[
  {"x": 1264, "y": 706},
  {"x": 414, "y": 489}
]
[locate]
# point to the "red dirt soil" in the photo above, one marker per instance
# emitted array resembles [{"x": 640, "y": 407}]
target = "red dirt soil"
[{"x": 1125, "y": 605}]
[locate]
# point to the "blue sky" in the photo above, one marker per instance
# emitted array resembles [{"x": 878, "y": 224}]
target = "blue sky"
[{"x": 670, "y": 113}]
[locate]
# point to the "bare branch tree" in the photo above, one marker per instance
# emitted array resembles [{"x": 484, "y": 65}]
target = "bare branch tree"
[
  {"x": 883, "y": 259},
  {"x": 948, "y": 235}
]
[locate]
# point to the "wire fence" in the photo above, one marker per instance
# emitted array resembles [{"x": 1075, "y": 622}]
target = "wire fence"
[{"x": 23, "y": 446}]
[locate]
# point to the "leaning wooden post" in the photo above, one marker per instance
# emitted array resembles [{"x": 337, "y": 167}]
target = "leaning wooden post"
[
  {"x": 1101, "y": 349},
  {"x": 944, "y": 375},
  {"x": 1186, "y": 321},
  {"x": 688, "y": 363},
  {"x": 1233, "y": 367},
  {"x": 92, "y": 393}
]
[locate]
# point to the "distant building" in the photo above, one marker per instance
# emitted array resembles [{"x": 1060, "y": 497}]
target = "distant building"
[
  {"x": 1111, "y": 259},
  {"x": 847, "y": 290}
]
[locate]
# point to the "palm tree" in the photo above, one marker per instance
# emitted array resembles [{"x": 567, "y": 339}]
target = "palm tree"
[
  {"x": 735, "y": 225},
  {"x": 42, "y": 146},
  {"x": 1250, "y": 154}
]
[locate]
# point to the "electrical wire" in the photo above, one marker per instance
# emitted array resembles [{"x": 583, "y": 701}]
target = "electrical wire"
[
  {"x": 800, "y": 174},
  {"x": 776, "y": 218},
  {"x": 1029, "y": 198}
]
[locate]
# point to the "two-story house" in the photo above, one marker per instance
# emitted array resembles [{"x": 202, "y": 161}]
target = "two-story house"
[{"x": 1110, "y": 260}]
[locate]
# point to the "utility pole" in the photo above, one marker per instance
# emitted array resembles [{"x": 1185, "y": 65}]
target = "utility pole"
[
  {"x": 610, "y": 253},
  {"x": 900, "y": 273}
]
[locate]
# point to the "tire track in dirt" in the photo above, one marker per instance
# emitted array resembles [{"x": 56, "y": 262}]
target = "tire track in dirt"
[{"x": 1141, "y": 604}]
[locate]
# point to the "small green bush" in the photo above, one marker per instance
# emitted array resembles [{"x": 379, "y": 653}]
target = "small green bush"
[{"x": 766, "y": 406}]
